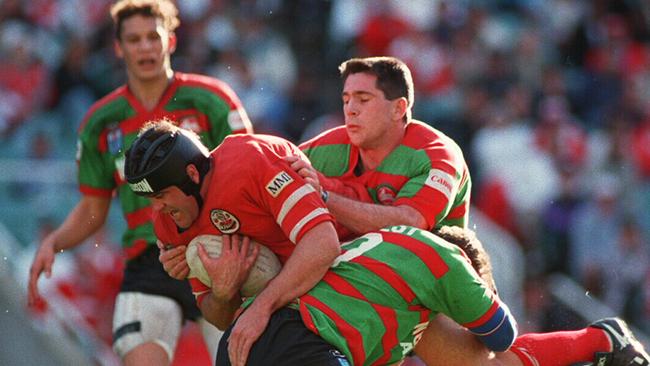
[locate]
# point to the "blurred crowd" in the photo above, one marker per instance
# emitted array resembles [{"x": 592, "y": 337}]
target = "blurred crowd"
[{"x": 549, "y": 99}]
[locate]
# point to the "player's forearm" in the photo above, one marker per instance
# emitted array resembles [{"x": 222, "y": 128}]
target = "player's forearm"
[
  {"x": 84, "y": 220},
  {"x": 363, "y": 217},
  {"x": 307, "y": 265},
  {"x": 219, "y": 313}
]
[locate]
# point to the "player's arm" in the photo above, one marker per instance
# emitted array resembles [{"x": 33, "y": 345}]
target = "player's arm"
[
  {"x": 361, "y": 217},
  {"x": 85, "y": 219},
  {"x": 470, "y": 301},
  {"x": 313, "y": 255},
  {"x": 301, "y": 165},
  {"x": 227, "y": 272}
]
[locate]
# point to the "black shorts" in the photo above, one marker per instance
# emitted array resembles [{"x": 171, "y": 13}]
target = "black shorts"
[
  {"x": 146, "y": 274},
  {"x": 286, "y": 342}
]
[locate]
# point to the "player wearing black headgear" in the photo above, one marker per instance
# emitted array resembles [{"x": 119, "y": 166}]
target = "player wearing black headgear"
[{"x": 157, "y": 156}]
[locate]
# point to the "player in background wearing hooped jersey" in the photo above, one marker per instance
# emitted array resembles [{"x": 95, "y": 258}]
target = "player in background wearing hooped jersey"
[
  {"x": 414, "y": 175},
  {"x": 145, "y": 40},
  {"x": 243, "y": 186}
]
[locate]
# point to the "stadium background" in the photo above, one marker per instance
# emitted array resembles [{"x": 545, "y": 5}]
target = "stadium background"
[{"x": 549, "y": 99}]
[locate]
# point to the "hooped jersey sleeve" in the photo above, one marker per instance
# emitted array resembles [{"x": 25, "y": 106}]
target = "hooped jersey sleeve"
[
  {"x": 464, "y": 297},
  {"x": 440, "y": 186},
  {"x": 95, "y": 173}
]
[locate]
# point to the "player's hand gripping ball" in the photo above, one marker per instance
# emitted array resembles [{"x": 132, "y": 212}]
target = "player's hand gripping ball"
[{"x": 265, "y": 268}]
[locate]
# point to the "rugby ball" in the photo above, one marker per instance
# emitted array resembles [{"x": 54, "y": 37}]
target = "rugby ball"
[{"x": 265, "y": 268}]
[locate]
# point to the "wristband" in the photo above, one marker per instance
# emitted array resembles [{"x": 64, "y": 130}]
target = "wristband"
[{"x": 324, "y": 195}]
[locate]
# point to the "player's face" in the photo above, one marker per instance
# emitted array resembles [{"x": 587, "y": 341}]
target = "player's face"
[
  {"x": 146, "y": 46},
  {"x": 368, "y": 114},
  {"x": 183, "y": 209}
]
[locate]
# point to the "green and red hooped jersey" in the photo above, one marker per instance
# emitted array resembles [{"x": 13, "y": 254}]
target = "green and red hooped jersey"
[
  {"x": 205, "y": 105},
  {"x": 378, "y": 297},
  {"x": 427, "y": 171}
]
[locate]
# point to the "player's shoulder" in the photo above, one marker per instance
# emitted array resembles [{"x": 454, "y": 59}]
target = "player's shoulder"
[
  {"x": 109, "y": 109},
  {"x": 252, "y": 147},
  {"x": 336, "y": 135},
  {"x": 204, "y": 82},
  {"x": 421, "y": 136}
]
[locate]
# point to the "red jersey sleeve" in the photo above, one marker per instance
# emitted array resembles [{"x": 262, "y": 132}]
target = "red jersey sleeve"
[{"x": 296, "y": 205}]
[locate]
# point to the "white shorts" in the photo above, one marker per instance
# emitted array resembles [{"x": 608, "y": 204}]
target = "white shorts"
[
  {"x": 142, "y": 318},
  {"x": 211, "y": 336}
]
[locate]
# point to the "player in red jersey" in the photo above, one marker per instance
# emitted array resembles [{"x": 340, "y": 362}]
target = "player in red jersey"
[
  {"x": 145, "y": 40},
  {"x": 243, "y": 186}
]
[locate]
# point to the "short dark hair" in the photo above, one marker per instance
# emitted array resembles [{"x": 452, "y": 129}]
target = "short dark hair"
[
  {"x": 163, "y": 9},
  {"x": 466, "y": 240},
  {"x": 393, "y": 76}
]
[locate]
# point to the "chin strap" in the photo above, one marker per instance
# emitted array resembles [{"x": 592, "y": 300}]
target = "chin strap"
[{"x": 194, "y": 189}]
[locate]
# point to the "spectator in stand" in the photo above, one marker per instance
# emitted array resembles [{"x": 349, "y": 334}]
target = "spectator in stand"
[
  {"x": 24, "y": 80},
  {"x": 594, "y": 235}
]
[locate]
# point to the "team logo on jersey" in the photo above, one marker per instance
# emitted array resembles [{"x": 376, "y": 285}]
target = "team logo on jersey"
[
  {"x": 386, "y": 194},
  {"x": 114, "y": 140},
  {"x": 226, "y": 222},
  {"x": 277, "y": 184}
]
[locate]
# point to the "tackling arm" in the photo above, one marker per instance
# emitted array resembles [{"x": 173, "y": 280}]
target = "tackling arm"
[
  {"x": 361, "y": 217},
  {"x": 311, "y": 258}
]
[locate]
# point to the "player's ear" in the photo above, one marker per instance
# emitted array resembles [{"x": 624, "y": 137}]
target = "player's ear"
[
  {"x": 400, "y": 106},
  {"x": 117, "y": 48},
  {"x": 193, "y": 173}
]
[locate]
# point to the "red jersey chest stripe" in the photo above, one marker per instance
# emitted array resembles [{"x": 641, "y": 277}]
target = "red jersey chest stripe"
[
  {"x": 217, "y": 87},
  {"x": 119, "y": 92},
  {"x": 134, "y": 123},
  {"x": 352, "y": 335},
  {"x": 427, "y": 254},
  {"x": 136, "y": 249},
  {"x": 387, "y": 315},
  {"x": 138, "y": 217},
  {"x": 91, "y": 191},
  {"x": 386, "y": 273}
]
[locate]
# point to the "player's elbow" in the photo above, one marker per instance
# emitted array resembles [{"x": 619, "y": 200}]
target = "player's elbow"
[
  {"x": 501, "y": 340},
  {"x": 499, "y": 331},
  {"x": 503, "y": 336}
]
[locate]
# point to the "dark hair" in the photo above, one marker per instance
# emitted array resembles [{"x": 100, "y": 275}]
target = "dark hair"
[
  {"x": 393, "y": 76},
  {"x": 158, "y": 157},
  {"x": 163, "y": 9},
  {"x": 466, "y": 240}
]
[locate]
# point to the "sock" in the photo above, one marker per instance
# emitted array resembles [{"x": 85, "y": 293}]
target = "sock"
[{"x": 560, "y": 348}]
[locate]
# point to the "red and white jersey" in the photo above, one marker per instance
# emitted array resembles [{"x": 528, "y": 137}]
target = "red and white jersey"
[{"x": 252, "y": 192}]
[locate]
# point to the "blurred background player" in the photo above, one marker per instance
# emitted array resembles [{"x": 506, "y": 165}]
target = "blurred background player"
[{"x": 145, "y": 40}]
